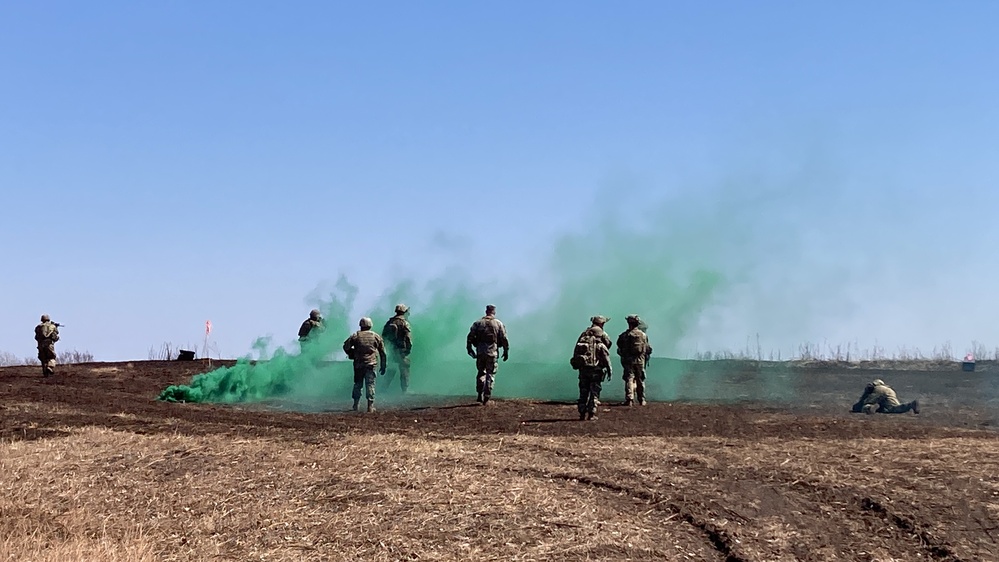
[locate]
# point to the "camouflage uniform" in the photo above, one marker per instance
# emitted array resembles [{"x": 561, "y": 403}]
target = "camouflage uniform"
[
  {"x": 485, "y": 337},
  {"x": 880, "y": 398},
  {"x": 313, "y": 322},
  {"x": 591, "y": 377},
  {"x": 399, "y": 335},
  {"x": 634, "y": 349},
  {"x": 367, "y": 350},
  {"x": 591, "y": 383},
  {"x": 47, "y": 334}
]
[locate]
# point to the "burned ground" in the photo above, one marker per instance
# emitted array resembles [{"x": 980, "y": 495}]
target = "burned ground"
[{"x": 92, "y": 462}]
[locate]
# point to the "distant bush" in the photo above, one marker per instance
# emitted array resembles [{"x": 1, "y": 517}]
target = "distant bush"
[
  {"x": 74, "y": 356},
  {"x": 167, "y": 352},
  {"x": 8, "y": 359}
]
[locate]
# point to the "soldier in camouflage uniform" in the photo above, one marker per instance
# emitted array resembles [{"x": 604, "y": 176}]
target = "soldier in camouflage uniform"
[
  {"x": 367, "y": 350},
  {"x": 398, "y": 334},
  {"x": 634, "y": 349},
  {"x": 313, "y": 324},
  {"x": 591, "y": 357},
  {"x": 47, "y": 334},
  {"x": 486, "y": 336},
  {"x": 880, "y": 398}
]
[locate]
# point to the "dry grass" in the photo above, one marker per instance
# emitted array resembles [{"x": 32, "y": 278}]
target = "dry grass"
[{"x": 100, "y": 494}]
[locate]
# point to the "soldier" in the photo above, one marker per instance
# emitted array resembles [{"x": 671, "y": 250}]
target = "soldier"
[
  {"x": 634, "y": 349},
  {"x": 314, "y": 322},
  {"x": 47, "y": 334},
  {"x": 591, "y": 357},
  {"x": 367, "y": 350},
  {"x": 398, "y": 334},
  {"x": 485, "y": 337},
  {"x": 880, "y": 398}
]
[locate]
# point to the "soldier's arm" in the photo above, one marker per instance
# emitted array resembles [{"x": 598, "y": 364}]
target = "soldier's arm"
[
  {"x": 407, "y": 339},
  {"x": 859, "y": 406},
  {"x": 470, "y": 341},
  {"x": 380, "y": 344},
  {"x": 348, "y": 347},
  {"x": 502, "y": 339}
]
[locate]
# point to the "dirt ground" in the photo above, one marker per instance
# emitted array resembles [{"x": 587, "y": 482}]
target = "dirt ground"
[{"x": 91, "y": 465}]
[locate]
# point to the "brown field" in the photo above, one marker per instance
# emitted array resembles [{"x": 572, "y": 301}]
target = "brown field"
[{"x": 93, "y": 468}]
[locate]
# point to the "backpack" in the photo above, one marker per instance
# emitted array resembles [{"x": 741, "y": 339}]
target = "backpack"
[{"x": 585, "y": 352}]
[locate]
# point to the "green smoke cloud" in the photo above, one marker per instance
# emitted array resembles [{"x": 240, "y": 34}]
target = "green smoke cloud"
[{"x": 668, "y": 262}]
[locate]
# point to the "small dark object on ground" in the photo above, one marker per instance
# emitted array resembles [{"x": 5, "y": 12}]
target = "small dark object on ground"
[{"x": 185, "y": 355}]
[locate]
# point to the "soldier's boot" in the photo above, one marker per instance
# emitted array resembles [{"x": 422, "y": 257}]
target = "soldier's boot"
[
  {"x": 582, "y": 416},
  {"x": 629, "y": 402},
  {"x": 870, "y": 408},
  {"x": 591, "y": 415},
  {"x": 356, "y": 402},
  {"x": 479, "y": 398},
  {"x": 485, "y": 398},
  {"x": 371, "y": 405},
  {"x": 914, "y": 406},
  {"x": 642, "y": 402}
]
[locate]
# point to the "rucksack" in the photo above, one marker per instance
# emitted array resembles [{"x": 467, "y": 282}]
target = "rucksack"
[{"x": 585, "y": 352}]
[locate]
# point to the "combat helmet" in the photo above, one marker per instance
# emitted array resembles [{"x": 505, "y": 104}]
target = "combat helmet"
[
  {"x": 401, "y": 309},
  {"x": 45, "y": 317},
  {"x": 599, "y": 320},
  {"x": 633, "y": 320},
  {"x": 365, "y": 323},
  {"x": 314, "y": 314}
]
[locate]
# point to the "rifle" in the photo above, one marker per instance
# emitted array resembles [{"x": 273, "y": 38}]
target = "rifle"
[{"x": 58, "y": 325}]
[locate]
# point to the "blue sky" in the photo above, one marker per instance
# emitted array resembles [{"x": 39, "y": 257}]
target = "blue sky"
[{"x": 166, "y": 163}]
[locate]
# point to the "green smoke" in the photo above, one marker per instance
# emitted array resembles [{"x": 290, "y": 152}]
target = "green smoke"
[{"x": 670, "y": 263}]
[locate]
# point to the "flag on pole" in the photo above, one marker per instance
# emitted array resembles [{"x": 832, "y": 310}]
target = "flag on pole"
[{"x": 208, "y": 327}]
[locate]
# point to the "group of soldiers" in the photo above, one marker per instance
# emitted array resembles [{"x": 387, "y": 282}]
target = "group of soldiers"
[
  {"x": 486, "y": 338},
  {"x": 487, "y": 343}
]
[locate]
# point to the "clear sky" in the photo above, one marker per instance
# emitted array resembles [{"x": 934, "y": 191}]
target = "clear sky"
[{"x": 163, "y": 164}]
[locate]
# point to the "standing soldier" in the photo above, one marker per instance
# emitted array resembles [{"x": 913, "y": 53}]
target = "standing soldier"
[
  {"x": 485, "y": 337},
  {"x": 634, "y": 349},
  {"x": 47, "y": 334},
  {"x": 398, "y": 334},
  {"x": 367, "y": 350},
  {"x": 591, "y": 357},
  {"x": 314, "y": 322}
]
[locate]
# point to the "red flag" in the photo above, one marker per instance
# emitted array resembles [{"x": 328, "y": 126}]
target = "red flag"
[{"x": 208, "y": 327}]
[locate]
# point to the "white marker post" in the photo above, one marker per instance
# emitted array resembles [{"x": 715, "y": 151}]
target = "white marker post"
[{"x": 208, "y": 330}]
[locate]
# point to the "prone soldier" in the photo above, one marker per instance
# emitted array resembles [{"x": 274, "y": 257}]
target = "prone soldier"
[{"x": 881, "y": 398}]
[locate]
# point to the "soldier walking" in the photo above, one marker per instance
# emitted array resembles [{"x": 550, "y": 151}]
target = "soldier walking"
[
  {"x": 485, "y": 337},
  {"x": 634, "y": 349},
  {"x": 367, "y": 350},
  {"x": 398, "y": 334},
  {"x": 47, "y": 334},
  {"x": 591, "y": 357}
]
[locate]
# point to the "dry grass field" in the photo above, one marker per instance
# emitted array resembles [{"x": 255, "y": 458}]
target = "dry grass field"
[{"x": 93, "y": 468}]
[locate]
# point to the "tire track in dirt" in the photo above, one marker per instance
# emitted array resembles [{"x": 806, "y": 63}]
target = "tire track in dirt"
[
  {"x": 934, "y": 547},
  {"x": 698, "y": 514},
  {"x": 717, "y": 538}
]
